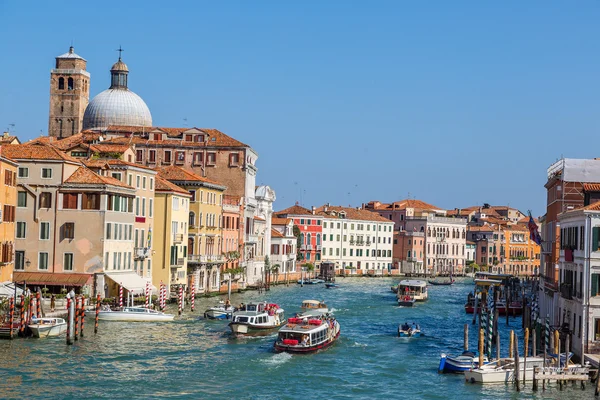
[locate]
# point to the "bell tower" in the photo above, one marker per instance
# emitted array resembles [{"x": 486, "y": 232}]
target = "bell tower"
[{"x": 69, "y": 95}]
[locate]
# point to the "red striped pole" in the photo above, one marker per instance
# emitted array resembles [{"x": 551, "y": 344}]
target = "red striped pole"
[
  {"x": 161, "y": 303},
  {"x": 22, "y": 327},
  {"x": 147, "y": 295},
  {"x": 69, "y": 320},
  {"x": 121, "y": 295},
  {"x": 11, "y": 319},
  {"x": 180, "y": 299},
  {"x": 76, "y": 300},
  {"x": 82, "y": 311},
  {"x": 193, "y": 299},
  {"x": 97, "y": 312},
  {"x": 38, "y": 303}
]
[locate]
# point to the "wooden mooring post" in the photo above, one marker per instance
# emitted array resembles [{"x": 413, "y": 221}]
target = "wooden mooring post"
[
  {"x": 516, "y": 373},
  {"x": 97, "y": 312},
  {"x": 481, "y": 335},
  {"x": 498, "y": 346},
  {"x": 511, "y": 346},
  {"x": 466, "y": 337},
  {"x": 533, "y": 343},
  {"x": 561, "y": 376},
  {"x": 525, "y": 350}
]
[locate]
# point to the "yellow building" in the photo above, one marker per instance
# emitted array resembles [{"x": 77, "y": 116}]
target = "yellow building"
[
  {"x": 205, "y": 238},
  {"x": 171, "y": 229},
  {"x": 8, "y": 202}
]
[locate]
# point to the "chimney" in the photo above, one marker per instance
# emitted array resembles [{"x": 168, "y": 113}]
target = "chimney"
[
  {"x": 325, "y": 207},
  {"x": 314, "y": 210},
  {"x": 5, "y": 134}
]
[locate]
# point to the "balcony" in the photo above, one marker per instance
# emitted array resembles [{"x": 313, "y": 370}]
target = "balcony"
[
  {"x": 566, "y": 291},
  {"x": 368, "y": 243},
  {"x": 352, "y": 242},
  {"x": 360, "y": 243},
  {"x": 318, "y": 247},
  {"x": 206, "y": 259},
  {"x": 177, "y": 237},
  {"x": 306, "y": 247},
  {"x": 178, "y": 263},
  {"x": 251, "y": 238},
  {"x": 141, "y": 253}
]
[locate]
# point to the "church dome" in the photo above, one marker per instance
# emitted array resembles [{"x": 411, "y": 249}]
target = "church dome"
[
  {"x": 119, "y": 66},
  {"x": 116, "y": 107}
]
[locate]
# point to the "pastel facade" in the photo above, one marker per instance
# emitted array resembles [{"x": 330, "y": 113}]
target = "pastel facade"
[
  {"x": 283, "y": 249},
  {"x": 310, "y": 226},
  {"x": 8, "y": 203},
  {"x": 409, "y": 252}
]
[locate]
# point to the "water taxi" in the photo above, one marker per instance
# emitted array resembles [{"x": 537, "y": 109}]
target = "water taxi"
[
  {"x": 221, "y": 311},
  {"x": 300, "y": 336},
  {"x": 131, "y": 314},
  {"x": 256, "y": 319},
  {"x": 410, "y": 291},
  {"x": 503, "y": 370},
  {"x": 406, "y": 330},
  {"x": 48, "y": 327}
]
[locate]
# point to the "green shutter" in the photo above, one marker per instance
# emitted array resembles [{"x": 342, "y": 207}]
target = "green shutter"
[
  {"x": 184, "y": 251},
  {"x": 595, "y": 238},
  {"x": 595, "y": 284},
  {"x": 173, "y": 255}
]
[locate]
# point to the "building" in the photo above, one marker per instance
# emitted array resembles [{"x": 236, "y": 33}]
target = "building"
[
  {"x": 8, "y": 203},
  {"x": 233, "y": 238},
  {"x": 283, "y": 250},
  {"x": 409, "y": 252},
  {"x": 170, "y": 249},
  {"x": 358, "y": 241},
  {"x": 398, "y": 211},
  {"x": 69, "y": 95},
  {"x": 565, "y": 192},
  {"x": 309, "y": 226},
  {"x": 7, "y": 138},
  {"x": 577, "y": 312},
  {"x": 470, "y": 252},
  {"x": 203, "y": 226}
]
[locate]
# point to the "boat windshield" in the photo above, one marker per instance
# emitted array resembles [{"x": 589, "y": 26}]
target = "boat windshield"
[
  {"x": 241, "y": 319},
  {"x": 251, "y": 307}
]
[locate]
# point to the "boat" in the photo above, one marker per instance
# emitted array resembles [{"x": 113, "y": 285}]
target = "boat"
[
  {"x": 332, "y": 285},
  {"x": 460, "y": 364},
  {"x": 221, "y": 311},
  {"x": 48, "y": 327},
  {"x": 317, "y": 280},
  {"x": 394, "y": 289},
  {"x": 503, "y": 370},
  {"x": 300, "y": 336},
  {"x": 305, "y": 282},
  {"x": 441, "y": 283},
  {"x": 131, "y": 314},
  {"x": 410, "y": 291},
  {"x": 406, "y": 330},
  {"x": 256, "y": 319}
]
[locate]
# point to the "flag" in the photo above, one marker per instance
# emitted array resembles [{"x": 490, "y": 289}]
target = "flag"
[
  {"x": 534, "y": 234},
  {"x": 149, "y": 238}
]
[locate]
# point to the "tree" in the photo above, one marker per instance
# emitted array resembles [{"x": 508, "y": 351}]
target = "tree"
[
  {"x": 299, "y": 256},
  {"x": 309, "y": 267}
]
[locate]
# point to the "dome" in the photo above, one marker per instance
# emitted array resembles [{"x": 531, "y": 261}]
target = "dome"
[
  {"x": 116, "y": 107},
  {"x": 119, "y": 66}
]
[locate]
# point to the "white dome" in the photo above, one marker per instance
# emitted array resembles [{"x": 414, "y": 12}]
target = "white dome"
[{"x": 116, "y": 107}]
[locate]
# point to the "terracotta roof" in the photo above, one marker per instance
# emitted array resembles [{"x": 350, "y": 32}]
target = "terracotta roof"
[
  {"x": 126, "y": 140},
  {"x": 280, "y": 221},
  {"x": 178, "y": 174},
  {"x": 123, "y": 163},
  {"x": 8, "y": 139},
  {"x": 525, "y": 220},
  {"x": 470, "y": 242},
  {"x": 215, "y": 137},
  {"x": 42, "y": 139},
  {"x": 82, "y": 138},
  {"x": 276, "y": 233},
  {"x": 406, "y": 203},
  {"x": 95, "y": 163},
  {"x": 110, "y": 148},
  {"x": 351, "y": 213},
  {"x": 517, "y": 227},
  {"x": 459, "y": 212},
  {"x": 85, "y": 176},
  {"x": 294, "y": 210},
  {"x": 163, "y": 185},
  {"x": 36, "y": 151},
  {"x": 591, "y": 187},
  {"x": 484, "y": 228},
  {"x": 593, "y": 207}
]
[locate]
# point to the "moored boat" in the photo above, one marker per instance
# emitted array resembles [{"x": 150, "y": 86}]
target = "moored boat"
[
  {"x": 48, "y": 327},
  {"x": 256, "y": 319},
  {"x": 406, "y": 330},
  {"x": 503, "y": 370},
  {"x": 441, "y": 283},
  {"x": 299, "y": 336},
  {"x": 332, "y": 285},
  {"x": 459, "y": 364},
  {"x": 221, "y": 311},
  {"x": 131, "y": 314}
]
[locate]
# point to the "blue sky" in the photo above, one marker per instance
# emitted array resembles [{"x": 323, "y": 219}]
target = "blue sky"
[{"x": 457, "y": 103}]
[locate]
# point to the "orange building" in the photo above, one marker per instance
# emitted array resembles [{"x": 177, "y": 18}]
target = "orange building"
[
  {"x": 8, "y": 202},
  {"x": 408, "y": 252}
]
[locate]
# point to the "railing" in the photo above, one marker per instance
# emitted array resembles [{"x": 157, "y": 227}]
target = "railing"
[
  {"x": 141, "y": 253},
  {"x": 178, "y": 237},
  {"x": 214, "y": 258},
  {"x": 352, "y": 242},
  {"x": 368, "y": 243},
  {"x": 318, "y": 247},
  {"x": 566, "y": 291},
  {"x": 178, "y": 263},
  {"x": 361, "y": 243}
]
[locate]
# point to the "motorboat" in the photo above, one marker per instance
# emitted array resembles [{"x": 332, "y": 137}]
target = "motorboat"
[
  {"x": 221, "y": 311},
  {"x": 406, "y": 330},
  {"x": 441, "y": 283},
  {"x": 314, "y": 305},
  {"x": 307, "y": 336},
  {"x": 503, "y": 370},
  {"x": 48, "y": 327},
  {"x": 459, "y": 364},
  {"x": 317, "y": 280},
  {"x": 394, "y": 289},
  {"x": 411, "y": 291},
  {"x": 332, "y": 285},
  {"x": 256, "y": 319},
  {"x": 131, "y": 314}
]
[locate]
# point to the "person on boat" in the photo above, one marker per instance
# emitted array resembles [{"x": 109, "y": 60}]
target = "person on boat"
[
  {"x": 405, "y": 327},
  {"x": 227, "y": 303},
  {"x": 305, "y": 340}
]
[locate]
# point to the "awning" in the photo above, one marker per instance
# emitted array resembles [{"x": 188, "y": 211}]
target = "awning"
[
  {"x": 7, "y": 289},
  {"x": 51, "y": 279},
  {"x": 130, "y": 281}
]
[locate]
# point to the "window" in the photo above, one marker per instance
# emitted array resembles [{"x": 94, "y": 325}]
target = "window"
[
  {"x": 68, "y": 262},
  {"x": 61, "y": 83},
  {"x": 116, "y": 175},
  {"x": 137, "y": 206},
  {"x": 45, "y": 200},
  {"x": 139, "y": 155},
  {"x": 22, "y": 199},
  {"x": 152, "y": 156},
  {"x": 150, "y": 206},
  {"x": 197, "y": 158},
  {"x": 176, "y": 203},
  {"x": 79, "y": 154},
  {"x": 211, "y": 158},
  {"x": 90, "y": 201},
  {"x": 47, "y": 173},
  {"x": 23, "y": 172},
  {"x": 595, "y": 283},
  {"x": 234, "y": 159},
  {"x": 69, "y": 230},
  {"x": 180, "y": 157},
  {"x": 137, "y": 181},
  {"x": 43, "y": 261},
  {"x": 193, "y": 193},
  {"x": 21, "y": 230},
  {"x": 9, "y": 213},
  {"x": 151, "y": 183},
  {"x": 143, "y": 206},
  {"x": 70, "y": 201},
  {"x": 167, "y": 157},
  {"x": 19, "y": 260},
  {"x": 44, "y": 230},
  {"x": 70, "y": 84}
]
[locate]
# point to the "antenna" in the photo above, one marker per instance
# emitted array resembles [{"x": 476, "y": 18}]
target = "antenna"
[
  {"x": 9, "y": 125},
  {"x": 185, "y": 122}
]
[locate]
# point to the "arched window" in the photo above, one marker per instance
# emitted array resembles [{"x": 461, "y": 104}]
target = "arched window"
[
  {"x": 61, "y": 83},
  {"x": 429, "y": 232},
  {"x": 70, "y": 84},
  {"x": 318, "y": 239},
  {"x": 72, "y": 127},
  {"x": 302, "y": 238},
  {"x": 308, "y": 242},
  {"x": 60, "y": 128},
  {"x": 192, "y": 219},
  {"x": 422, "y": 228}
]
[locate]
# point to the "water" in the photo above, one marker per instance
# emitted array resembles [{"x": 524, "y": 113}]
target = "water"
[{"x": 194, "y": 358}]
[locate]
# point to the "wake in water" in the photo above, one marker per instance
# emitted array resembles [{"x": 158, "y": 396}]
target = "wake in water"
[{"x": 277, "y": 360}]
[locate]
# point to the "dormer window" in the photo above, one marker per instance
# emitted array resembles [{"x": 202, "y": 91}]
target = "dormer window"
[
  {"x": 189, "y": 138},
  {"x": 200, "y": 138}
]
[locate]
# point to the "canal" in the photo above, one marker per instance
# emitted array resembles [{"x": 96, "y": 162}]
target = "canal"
[{"x": 194, "y": 358}]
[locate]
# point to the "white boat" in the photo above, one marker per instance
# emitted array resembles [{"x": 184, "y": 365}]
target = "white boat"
[
  {"x": 503, "y": 370},
  {"x": 256, "y": 319},
  {"x": 48, "y": 327},
  {"x": 307, "y": 336},
  {"x": 410, "y": 291},
  {"x": 131, "y": 314},
  {"x": 221, "y": 311},
  {"x": 313, "y": 309}
]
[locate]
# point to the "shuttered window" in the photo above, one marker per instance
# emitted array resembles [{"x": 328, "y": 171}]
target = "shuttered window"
[
  {"x": 595, "y": 280},
  {"x": 70, "y": 201}
]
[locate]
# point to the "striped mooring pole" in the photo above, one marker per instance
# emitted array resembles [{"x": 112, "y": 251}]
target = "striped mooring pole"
[
  {"x": 490, "y": 334},
  {"x": 163, "y": 296},
  {"x": 121, "y": 294},
  {"x": 147, "y": 294},
  {"x": 11, "y": 315},
  {"x": 22, "y": 327},
  {"x": 180, "y": 299},
  {"x": 484, "y": 322},
  {"x": 193, "y": 294},
  {"x": 29, "y": 309},
  {"x": 82, "y": 311},
  {"x": 97, "y": 312},
  {"x": 76, "y": 300},
  {"x": 38, "y": 303},
  {"x": 69, "y": 320},
  {"x": 547, "y": 336}
]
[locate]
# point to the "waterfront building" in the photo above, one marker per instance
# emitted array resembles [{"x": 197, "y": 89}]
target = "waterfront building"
[
  {"x": 398, "y": 211},
  {"x": 8, "y": 203},
  {"x": 257, "y": 241},
  {"x": 358, "y": 241},
  {"x": 203, "y": 244},
  {"x": 309, "y": 226},
  {"x": 522, "y": 255},
  {"x": 470, "y": 248},
  {"x": 169, "y": 251},
  {"x": 408, "y": 252},
  {"x": 565, "y": 191},
  {"x": 577, "y": 312},
  {"x": 233, "y": 238},
  {"x": 283, "y": 249}
]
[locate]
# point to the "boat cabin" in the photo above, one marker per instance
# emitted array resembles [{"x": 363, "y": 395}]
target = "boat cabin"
[
  {"x": 313, "y": 304},
  {"x": 308, "y": 333},
  {"x": 413, "y": 288}
]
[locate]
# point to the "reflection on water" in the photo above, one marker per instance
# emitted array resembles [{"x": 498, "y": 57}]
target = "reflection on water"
[{"x": 196, "y": 358}]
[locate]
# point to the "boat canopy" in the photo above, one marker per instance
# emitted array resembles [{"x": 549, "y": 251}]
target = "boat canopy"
[
  {"x": 488, "y": 282},
  {"x": 412, "y": 283},
  {"x": 130, "y": 281},
  {"x": 313, "y": 304},
  {"x": 7, "y": 289}
]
